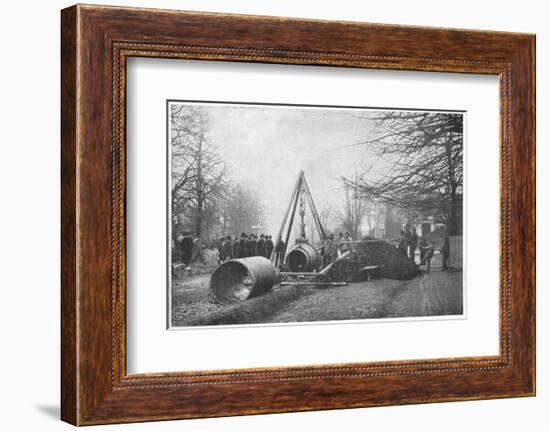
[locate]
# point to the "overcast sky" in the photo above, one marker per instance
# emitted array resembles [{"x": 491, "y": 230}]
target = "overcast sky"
[{"x": 266, "y": 146}]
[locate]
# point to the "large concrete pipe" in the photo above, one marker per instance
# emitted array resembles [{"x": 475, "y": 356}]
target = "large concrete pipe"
[
  {"x": 239, "y": 279},
  {"x": 302, "y": 258}
]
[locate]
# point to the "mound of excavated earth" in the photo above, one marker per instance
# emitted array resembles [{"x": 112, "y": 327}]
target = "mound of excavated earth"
[{"x": 392, "y": 263}]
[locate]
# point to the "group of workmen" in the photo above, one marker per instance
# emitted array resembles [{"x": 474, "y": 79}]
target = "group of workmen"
[
  {"x": 409, "y": 241},
  {"x": 247, "y": 245},
  {"x": 334, "y": 247},
  {"x": 190, "y": 248}
]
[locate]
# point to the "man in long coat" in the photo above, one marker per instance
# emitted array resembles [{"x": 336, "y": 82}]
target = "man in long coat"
[
  {"x": 197, "y": 250},
  {"x": 251, "y": 245},
  {"x": 445, "y": 250},
  {"x": 186, "y": 246},
  {"x": 226, "y": 249},
  {"x": 260, "y": 246},
  {"x": 235, "y": 247},
  {"x": 280, "y": 252},
  {"x": 268, "y": 247},
  {"x": 243, "y": 246}
]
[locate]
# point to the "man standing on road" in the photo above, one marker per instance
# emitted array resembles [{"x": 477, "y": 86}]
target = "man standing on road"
[
  {"x": 251, "y": 245},
  {"x": 402, "y": 244},
  {"x": 235, "y": 248},
  {"x": 198, "y": 254},
  {"x": 407, "y": 231},
  {"x": 187, "y": 249},
  {"x": 347, "y": 241},
  {"x": 226, "y": 249},
  {"x": 280, "y": 252},
  {"x": 268, "y": 247},
  {"x": 445, "y": 250},
  {"x": 329, "y": 250},
  {"x": 243, "y": 246},
  {"x": 340, "y": 245},
  {"x": 179, "y": 239},
  {"x": 426, "y": 253},
  {"x": 219, "y": 245},
  {"x": 422, "y": 246},
  {"x": 260, "y": 246}
]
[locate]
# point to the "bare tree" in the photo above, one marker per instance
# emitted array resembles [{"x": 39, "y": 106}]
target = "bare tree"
[
  {"x": 325, "y": 215},
  {"x": 352, "y": 213},
  {"x": 423, "y": 154},
  {"x": 199, "y": 175},
  {"x": 185, "y": 124}
]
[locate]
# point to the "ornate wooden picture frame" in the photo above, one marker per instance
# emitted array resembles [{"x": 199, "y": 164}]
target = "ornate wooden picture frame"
[{"x": 96, "y": 41}]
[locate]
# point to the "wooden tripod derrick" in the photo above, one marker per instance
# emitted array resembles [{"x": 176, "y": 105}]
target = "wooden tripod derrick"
[{"x": 301, "y": 195}]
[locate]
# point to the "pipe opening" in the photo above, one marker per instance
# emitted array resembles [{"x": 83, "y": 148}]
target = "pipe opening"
[
  {"x": 231, "y": 282},
  {"x": 302, "y": 258},
  {"x": 298, "y": 260}
]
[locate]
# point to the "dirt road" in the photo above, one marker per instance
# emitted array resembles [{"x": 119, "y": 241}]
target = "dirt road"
[{"x": 435, "y": 294}]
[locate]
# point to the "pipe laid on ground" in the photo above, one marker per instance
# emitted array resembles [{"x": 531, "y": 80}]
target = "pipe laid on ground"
[{"x": 239, "y": 279}]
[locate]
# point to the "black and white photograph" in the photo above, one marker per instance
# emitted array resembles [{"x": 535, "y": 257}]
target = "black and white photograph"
[
  {"x": 275, "y": 215},
  {"x": 292, "y": 214}
]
